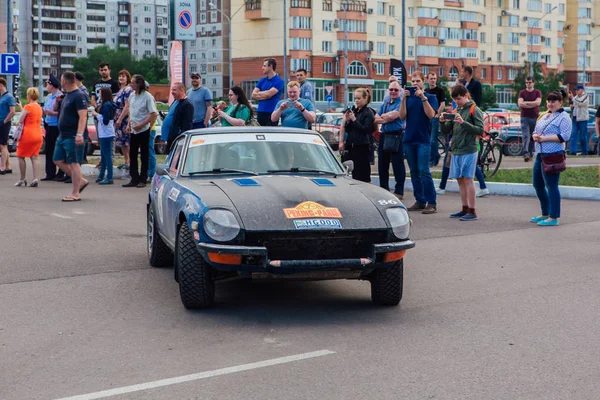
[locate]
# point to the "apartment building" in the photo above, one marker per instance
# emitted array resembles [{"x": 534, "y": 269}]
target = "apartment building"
[
  {"x": 71, "y": 28},
  {"x": 495, "y": 37},
  {"x": 209, "y": 54}
]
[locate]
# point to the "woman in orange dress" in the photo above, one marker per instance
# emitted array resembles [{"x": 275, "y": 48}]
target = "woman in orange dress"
[{"x": 31, "y": 139}]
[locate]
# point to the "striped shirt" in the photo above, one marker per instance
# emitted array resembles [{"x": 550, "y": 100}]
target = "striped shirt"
[{"x": 553, "y": 124}]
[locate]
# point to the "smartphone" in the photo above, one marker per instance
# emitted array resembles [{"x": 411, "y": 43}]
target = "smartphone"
[
  {"x": 291, "y": 103},
  {"x": 449, "y": 116},
  {"x": 348, "y": 109},
  {"x": 411, "y": 89}
]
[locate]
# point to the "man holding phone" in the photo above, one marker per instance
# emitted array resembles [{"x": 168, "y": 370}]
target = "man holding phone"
[
  {"x": 294, "y": 111},
  {"x": 417, "y": 108}
]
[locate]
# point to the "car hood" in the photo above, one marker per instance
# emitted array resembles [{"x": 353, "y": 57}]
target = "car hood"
[{"x": 274, "y": 202}]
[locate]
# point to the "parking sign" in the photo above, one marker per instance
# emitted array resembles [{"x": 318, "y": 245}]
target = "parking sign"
[
  {"x": 184, "y": 19},
  {"x": 10, "y": 64}
]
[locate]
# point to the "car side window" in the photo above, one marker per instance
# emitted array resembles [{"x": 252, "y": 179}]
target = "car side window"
[{"x": 174, "y": 165}]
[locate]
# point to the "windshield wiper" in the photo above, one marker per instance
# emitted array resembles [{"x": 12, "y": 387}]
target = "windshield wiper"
[
  {"x": 223, "y": 171},
  {"x": 301, "y": 169}
]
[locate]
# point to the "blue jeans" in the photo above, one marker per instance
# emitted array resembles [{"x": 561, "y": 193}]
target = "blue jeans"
[
  {"x": 434, "y": 158},
  {"x": 417, "y": 155},
  {"x": 546, "y": 188},
  {"x": 579, "y": 134},
  {"x": 151, "y": 155},
  {"x": 446, "y": 173},
  {"x": 383, "y": 165},
  {"x": 106, "y": 158}
]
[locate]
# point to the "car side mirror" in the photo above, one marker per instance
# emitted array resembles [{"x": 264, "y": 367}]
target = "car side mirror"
[
  {"x": 349, "y": 165},
  {"x": 162, "y": 169}
]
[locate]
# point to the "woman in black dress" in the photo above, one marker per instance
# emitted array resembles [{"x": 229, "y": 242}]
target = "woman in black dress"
[{"x": 357, "y": 128}]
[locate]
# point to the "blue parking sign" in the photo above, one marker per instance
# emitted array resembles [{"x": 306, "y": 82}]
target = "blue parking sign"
[
  {"x": 329, "y": 98},
  {"x": 10, "y": 64}
]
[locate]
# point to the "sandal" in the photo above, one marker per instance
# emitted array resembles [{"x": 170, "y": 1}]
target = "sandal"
[
  {"x": 21, "y": 182},
  {"x": 70, "y": 199},
  {"x": 83, "y": 187},
  {"x": 34, "y": 183}
]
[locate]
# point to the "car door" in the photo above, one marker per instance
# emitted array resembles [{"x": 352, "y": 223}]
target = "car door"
[{"x": 166, "y": 189}]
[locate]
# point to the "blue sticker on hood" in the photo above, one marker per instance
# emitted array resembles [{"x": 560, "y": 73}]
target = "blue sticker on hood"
[
  {"x": 246, "y": 182},
  {"x": 323, "y": 182}
]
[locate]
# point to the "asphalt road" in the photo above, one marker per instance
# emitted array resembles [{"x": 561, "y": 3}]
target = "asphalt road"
[{"x": 492, "y": 309}]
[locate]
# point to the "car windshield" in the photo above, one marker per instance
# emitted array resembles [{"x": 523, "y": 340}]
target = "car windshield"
[{"x": 259, "y": 153}]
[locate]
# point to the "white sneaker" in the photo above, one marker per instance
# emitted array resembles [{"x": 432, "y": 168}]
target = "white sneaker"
[
  {"x": 440, "y": 191},
  {"x": 482, "y": 192}
]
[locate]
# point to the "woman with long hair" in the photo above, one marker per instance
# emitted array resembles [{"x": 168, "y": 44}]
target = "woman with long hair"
[
  {"x": 31, "y": 138},
  {"x": 550, "y": 134},
  {"x": 123, "y": 138},
  {"x": 106, "y": 136},
  {"x": 239, "y": 111},
  {"x": 358, "y": 124}
]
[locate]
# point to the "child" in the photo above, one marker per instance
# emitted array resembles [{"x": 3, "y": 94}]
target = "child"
[{"x": 106, "y": 136}]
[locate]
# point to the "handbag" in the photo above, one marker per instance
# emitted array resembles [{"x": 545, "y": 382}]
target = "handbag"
[
  {"x": 392, "y": 142},
  {"x": 18, "y": 133},
  {"x": 553, "y": 163}
]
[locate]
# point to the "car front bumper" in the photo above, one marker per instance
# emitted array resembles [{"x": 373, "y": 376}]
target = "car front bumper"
[{"x": 256, "y": 258}]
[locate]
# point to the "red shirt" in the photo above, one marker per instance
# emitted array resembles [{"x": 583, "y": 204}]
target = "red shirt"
[{"x": 530, "y": 96}]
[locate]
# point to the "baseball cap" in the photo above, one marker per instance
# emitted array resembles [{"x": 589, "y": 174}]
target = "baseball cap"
[
  {"x": 54, "y": 81},
  {"x": 194, "y": 75},
  {"x": 579, "y": 87}
]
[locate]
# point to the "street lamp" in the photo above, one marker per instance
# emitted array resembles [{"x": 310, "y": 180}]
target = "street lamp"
[
  {"x": 344, "y": 5},
  {"x": 417, "y": 40},
  {"x": 584, "y": 80},
  {"x": 214, "y": 7},
  {"x": 530, "y": 37}
]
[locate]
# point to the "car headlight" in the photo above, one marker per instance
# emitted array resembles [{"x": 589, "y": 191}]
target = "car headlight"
[
  {"x": 221, "y": 225},
  {"x": 399, "y": 221}
]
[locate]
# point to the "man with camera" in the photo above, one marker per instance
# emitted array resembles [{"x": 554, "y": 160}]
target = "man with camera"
[
  {"x": 417, "y": 108},
  {"x": 294, "y": 111}
]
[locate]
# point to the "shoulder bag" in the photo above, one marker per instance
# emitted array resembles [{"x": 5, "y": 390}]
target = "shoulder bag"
[
  {"x": 393, "y": 140},
  {"x": 18, "y": 133},
  {"x": 553, "y": 163}
]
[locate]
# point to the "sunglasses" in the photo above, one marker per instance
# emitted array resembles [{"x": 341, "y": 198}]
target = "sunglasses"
[{"x": 394, "y": 90}]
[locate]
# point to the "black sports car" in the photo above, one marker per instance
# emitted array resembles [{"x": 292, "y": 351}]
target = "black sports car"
[{"x": 271, "y": 203}]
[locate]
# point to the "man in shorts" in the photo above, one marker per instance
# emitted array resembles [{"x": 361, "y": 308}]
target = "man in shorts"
[
  {"x": 465, "y": 126},
  {"x": 71, "y": 125}
]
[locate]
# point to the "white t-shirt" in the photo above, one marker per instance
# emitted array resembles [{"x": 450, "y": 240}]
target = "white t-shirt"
[
  {"x": 105, "y": 131},
  {"x": 140, "y": 106}
]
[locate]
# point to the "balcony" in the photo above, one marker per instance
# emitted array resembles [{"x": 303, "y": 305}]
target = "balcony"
[
  {"x": 300, "y": 4},
  {"x": 428, "y": 60},
  {"x": 257, "y": 10},
  {"x": 452, "y": 3},
  {"x": 124, "y": 23},
  {"x": 355, "y": 10}
]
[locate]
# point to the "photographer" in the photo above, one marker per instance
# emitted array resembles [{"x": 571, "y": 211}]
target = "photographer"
[
  {"x": 294, "y": 111},
  {"x": 357, "y": 123}
]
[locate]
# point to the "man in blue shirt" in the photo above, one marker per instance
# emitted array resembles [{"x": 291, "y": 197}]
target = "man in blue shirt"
[
  {"x": 388, "y": 117},
  {"x": 51, "y": 125},
  {"x": 294, "y": 111},
  {"x": 268, "y": 91},
  {"x": 418, "y": 108},
  {"x": 7, "y": 110},
  {"x": 201, "y": 99}
]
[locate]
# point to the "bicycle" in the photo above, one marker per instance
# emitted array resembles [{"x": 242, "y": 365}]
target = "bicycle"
[{"x": 490, "y": 153}]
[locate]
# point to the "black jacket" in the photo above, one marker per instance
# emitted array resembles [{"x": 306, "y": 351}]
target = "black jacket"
[
  {"x": 474, "y": 87},
  {"x": 361, "y": 130},
  {"x": 182, "y": 118}
]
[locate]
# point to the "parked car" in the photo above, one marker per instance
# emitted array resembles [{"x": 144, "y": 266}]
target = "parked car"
[
  {"x": 328, "y": 125},
  {"x": 329, "y": 106},
  {"x": 232, "y": 203},
  {"x": 495, "y": 120},
  {"x": 511, "y": 135}
]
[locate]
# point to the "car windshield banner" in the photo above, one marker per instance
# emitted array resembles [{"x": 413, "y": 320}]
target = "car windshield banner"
[{"x": 398, "y": 69}]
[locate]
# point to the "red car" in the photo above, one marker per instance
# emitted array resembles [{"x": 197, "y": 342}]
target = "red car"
[{"x": 498, "y": 120}]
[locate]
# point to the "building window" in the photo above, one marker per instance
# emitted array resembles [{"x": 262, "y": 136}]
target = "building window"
[
  {"x": 327, "y": 26},
  {"x": 547, "y": 42},
  {"x": 213, "y": 16},
  {"x": 411, "y": 51},
  {"x": 353, "y": 45},
  {"x": 513, "y": 56},
  {"x": 513, "y": 20},
  {"x": 301, "y": 44},
  {"x": 214, "y": 82},
  {"x": 381, "y": 28},
  {"x": 499, "y": 75},
  {"x": 411, "y": 32},
  {"x": 512, "y": 74},
  {"x": 202, "y": 18},
  {"x": 411, "y": 12},
  {"x": 297, "y": 63},
  {"x": 561, "y": 9},
  {"x": 379, "y": 68},
  {"x": 499, "y": 38},
  {"x": 411, "y": 69},
  {"x": 214, "y": 68},
  {"x": 392, "y": 30},
  {"x": 499, "y": 56},
  {"x": 380, "y": 8},
  {"x": 327, "y": 6},
  {"x": 441, "y": 72},
  {"x": 482, "y": 55},
  {"x": 326, "y": 47},
  {"x": 584, "y": 29},
  {"x": 381, "y": 48},
  {"x": 192, "y": 56},
  {"x": 355, "y": 26},
  {"x": 302, "y": 23},
  {"x": 504, "y": 95},
  {"x": 391, "y": 50},
  {"x": 356, "y": 68},
  {"x": 147, "y": 9},
  {"x": 516, "y": 4},
  {"x": 148, "y": 20},
  {"x": 425, "y": 70},
  {"x": 482, "y": 73},
  {"x": 482, "y": 37},
  {"x": 534, "y": 5},
  {"x": 327, "y": 67},
  {"x": 392, "y": 11}
]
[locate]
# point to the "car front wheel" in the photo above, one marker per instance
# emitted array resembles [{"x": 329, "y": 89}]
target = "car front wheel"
[
  {"x": 158, "y": 252},
  {"x": 513, "y": 147},
  {"x": 196, "y": 284},
  {"x": 386, "y": 285}
]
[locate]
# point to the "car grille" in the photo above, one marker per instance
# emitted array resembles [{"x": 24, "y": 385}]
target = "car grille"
[{"x": 317, "y": 245}]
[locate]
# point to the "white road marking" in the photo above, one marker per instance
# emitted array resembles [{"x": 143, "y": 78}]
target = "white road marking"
[
  {"x": 79, "y": 212},
  {"x": 201, "y": 375},
  {"x": 60, "y": 216}
]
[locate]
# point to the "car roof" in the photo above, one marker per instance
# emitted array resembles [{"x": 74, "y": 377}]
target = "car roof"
[{"x": 253, "y": 130}]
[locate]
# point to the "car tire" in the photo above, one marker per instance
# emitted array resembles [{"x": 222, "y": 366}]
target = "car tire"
[
  {"x": 513, "y": 147},
  {"x": 159, "y": 253},
  {"x": 196, "y": 284},
  {"x": 160, "y": 148},
  {"x": 386, "y": 284}
]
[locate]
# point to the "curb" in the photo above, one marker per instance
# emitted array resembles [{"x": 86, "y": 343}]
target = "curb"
[
  {"x": 512, "y": 189},
  {"x": 91, "y": 170}
]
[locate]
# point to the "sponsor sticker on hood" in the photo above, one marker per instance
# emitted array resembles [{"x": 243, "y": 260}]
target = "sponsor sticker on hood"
[
  {"x": 318, "y": 224},
  {"x": 311, "y": 209}
]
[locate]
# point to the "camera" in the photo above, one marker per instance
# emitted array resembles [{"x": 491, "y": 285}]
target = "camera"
[{"x": 411, "y": 89}]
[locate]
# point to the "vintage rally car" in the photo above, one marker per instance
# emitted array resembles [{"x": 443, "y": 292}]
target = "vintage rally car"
[{"x": 271, "y": 202}]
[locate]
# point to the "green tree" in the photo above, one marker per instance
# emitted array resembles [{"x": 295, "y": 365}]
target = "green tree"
[
  {"x": 23, "y": 85},
  {"x": 153, "y": 68},
  {"x": 488, "y": 97},
  {"x": 546, "y": 84}
]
